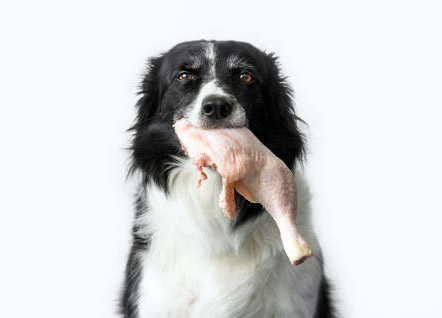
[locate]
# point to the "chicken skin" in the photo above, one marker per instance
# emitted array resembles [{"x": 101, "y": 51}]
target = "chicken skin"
[{"x": 250, "y": 168}]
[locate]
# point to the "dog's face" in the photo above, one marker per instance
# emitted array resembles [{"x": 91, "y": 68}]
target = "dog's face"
[{"x": 212, "y": 84}]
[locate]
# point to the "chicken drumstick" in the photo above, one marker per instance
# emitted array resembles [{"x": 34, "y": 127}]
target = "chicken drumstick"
[{"x": 248, "y": 166}]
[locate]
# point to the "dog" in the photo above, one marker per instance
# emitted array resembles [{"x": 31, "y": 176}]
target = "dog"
[{"x": 187, "y": 259}]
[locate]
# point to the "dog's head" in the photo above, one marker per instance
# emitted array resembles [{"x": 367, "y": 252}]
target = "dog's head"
[{"x": 213, "y": 84}]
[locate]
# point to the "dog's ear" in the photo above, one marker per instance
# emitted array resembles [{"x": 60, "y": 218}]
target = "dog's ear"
[
  {"x": 279, "y": 96},
  {"x": 147, "y": 105}
]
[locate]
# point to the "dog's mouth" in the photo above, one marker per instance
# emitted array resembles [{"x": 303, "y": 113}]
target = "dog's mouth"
[
  {"x": 212, "y": 124},
  {"x": 206, "y": 123}
]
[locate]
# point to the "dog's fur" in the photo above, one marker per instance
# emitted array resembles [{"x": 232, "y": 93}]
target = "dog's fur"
[{"x": 187, "y": 259}]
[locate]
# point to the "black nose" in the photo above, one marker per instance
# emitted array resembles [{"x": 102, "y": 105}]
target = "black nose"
[{"x": 216, "y": 107}]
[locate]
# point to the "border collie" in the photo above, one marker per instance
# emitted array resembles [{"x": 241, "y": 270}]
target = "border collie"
[{"x": 187, "y": 259}]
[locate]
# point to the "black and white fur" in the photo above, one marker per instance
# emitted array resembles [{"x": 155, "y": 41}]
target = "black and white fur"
[{"x": 187, "y": 259}]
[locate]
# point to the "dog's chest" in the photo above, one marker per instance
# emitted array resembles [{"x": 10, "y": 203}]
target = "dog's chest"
[
  {"x": 208, "y": 289},
  {"x": 197, "y": 267}
]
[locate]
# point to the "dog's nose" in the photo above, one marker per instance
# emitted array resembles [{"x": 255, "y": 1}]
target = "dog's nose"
[{"x": 216, "y": 107}]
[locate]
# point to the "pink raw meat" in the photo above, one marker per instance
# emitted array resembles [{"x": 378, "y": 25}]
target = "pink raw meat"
[{"x": 246, "y": 165}]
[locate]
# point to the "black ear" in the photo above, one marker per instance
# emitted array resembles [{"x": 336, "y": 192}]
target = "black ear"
[
  {"x": 279, "y": 99},
  {"x": 154, "y": 143},
  {"x": 148, "y": 103}
]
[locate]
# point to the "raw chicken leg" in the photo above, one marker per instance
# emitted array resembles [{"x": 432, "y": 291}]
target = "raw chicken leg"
[{"x": 246, "y": 165}]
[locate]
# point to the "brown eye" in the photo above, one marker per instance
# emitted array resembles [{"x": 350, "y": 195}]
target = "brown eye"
[
  {"x": 246, "y": 77},
  {"x": 184, "y": 76}
]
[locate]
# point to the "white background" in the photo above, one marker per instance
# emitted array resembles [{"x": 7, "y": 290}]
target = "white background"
[{"x": 368, "y": 80}]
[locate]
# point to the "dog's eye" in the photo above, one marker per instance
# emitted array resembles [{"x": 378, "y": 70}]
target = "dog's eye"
[
  {"x": 246, "y": 77},
  {"x": 186, "y": 76}
]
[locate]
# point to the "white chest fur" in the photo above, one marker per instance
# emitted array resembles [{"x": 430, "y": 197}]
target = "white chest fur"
[{"x": 197, "y": 267}]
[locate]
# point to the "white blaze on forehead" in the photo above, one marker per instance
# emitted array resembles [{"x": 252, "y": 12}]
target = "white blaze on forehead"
[{"x": 211, "y": 55}]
